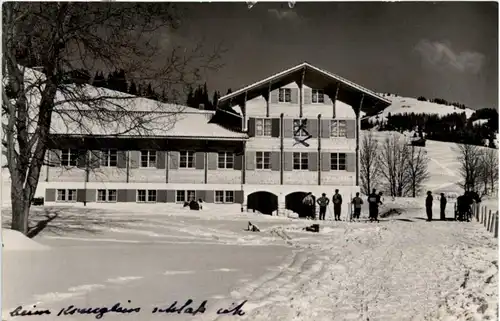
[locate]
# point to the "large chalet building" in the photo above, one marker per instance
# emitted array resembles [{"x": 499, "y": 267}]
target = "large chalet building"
[{"x": 265, "y": 146}]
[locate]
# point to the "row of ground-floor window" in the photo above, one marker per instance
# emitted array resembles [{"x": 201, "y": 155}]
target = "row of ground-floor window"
[
  {"x": 141, "y": 195},
  {"x": 261, "y": 201}
]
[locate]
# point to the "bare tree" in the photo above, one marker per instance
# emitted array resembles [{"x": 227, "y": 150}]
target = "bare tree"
[
  {"x": 58, "y": 38},
  {"x": 417, "y": 172},
  {"x": 393, "y": 160},
  {"x": 469, "y": 158},
  {"x": 368, "y": 162},
  {"x": 488, "y": 170}
]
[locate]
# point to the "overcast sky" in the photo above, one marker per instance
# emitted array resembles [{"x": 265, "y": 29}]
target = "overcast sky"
[{"x": 444, "y": 50}]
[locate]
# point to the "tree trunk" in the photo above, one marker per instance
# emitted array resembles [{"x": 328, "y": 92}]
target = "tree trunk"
[{"x": 20, "y": 212}]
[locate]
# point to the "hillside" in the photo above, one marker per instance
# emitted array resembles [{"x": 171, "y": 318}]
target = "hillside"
[{"x": 401, "y": 105}]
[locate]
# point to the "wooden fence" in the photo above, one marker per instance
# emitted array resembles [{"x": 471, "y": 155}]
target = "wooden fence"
[{"x": 486, "y": 217}]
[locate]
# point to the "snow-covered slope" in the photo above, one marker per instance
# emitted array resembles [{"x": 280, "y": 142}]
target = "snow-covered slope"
[{"x": 401, "y": 105}]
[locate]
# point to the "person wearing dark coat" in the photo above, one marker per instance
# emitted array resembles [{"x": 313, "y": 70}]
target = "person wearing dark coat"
[
  {"x": 323, "y": 202},
  {"x": 428, "y": 205},
  {"x": 337, "y": 204},
  {"x": 372, "y": 204},
  {"x": 442, "y": 203}
]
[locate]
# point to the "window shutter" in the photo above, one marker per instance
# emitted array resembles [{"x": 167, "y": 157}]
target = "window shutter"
[
  {"x": 325, "y": 128},
  {"x": 199, "y": 160},
  {"x": 121, "y": 195},
  {"x": 238, "y": 162},
  {"x": 200, "y": 194},
  {"x": 161, "y": 196},
  {"x": 325, "y": 162},
  {"x": 50, "y": 195},
  {"x": 170, "y": 196},
  {"x": 275, "y": 161},
  {"x": 274, "y": 96},
  {"x": 275, "y": 127},
  {"x": 81, "y": 195},
  {"x": 351, "y": 162},
  {"x": 131, "y": 195},
  {"x": 312, "y": 127},
  {"x": 160, "y": 159},
  {"x": 55, "y": 157},
  {"x": 288, "y": 128},
  {"x": 307, "y": 96},
  {"x": 135, "y": 156},
  {"x": 350, "y": 128},
  {"x": 121, "y": 161},
  {"x": 313, "y": 161},
  {"x": 95, "y": 158},
  {"x": 212, "y": 161},
  {"x": 288, "y": 162},
  {"x": 250, "y": 160},
  {"x": 251, "y": 127},
  {"x": 174, "y": 160},
  {"x": 81, "y": 161},
  {"x": 238, "y": 197},
  {"x": 209, "y": 196},
  {"x": 294, "y": 95}
]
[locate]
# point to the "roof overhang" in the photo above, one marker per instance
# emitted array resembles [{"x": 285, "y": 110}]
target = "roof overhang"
[{"x": 314, "y": 77}]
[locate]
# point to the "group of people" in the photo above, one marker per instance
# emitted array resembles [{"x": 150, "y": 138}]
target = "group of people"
[
  {"x": 374, "y": 201},
  {"x": 463, "y": 211}
]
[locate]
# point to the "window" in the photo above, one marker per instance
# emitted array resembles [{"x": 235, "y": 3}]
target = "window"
[
  {"x": 66, "y": 195},
  {"x": 148, "y": 196},
  {"x": 226, "y": 160},
  {"x": 186, "y": 159},
  {"x": 148, "y": 158},
  {"x": 224, "y": 196},
  {"x": 69, "y": 157},
  {"x": 318, "y": 97},
  {"x": 263, "y": 160},
  {"x": 109, "y": 157},
  {"x": 285, "y": 95},
  {"x": 185, "y": 196},
  {"x": 299, "y": 128},
  {"x": 338, "y": 162},
  {"x": 300, "y": 161},
  {"x": 338, "y": 128},
  {"x": 106, "y": 195},
  {"x": 263, "y": 127}
]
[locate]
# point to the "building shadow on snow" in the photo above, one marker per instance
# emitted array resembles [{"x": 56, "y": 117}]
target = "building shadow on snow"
[{"x": 68, "y": 220}]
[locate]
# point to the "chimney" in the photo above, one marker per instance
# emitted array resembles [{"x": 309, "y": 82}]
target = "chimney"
[{"x": 201, "y": 107}]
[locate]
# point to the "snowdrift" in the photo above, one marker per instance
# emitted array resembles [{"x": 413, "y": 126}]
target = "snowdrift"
[{"x": 16, "y": 241}]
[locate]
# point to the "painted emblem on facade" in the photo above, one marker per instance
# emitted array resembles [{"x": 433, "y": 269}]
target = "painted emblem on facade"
[{"x": 300, "y": 133}]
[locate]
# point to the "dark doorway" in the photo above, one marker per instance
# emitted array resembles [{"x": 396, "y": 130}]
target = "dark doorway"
[
  {"x": 264, "y": 202},
  {"x": 293, "y": 202}
]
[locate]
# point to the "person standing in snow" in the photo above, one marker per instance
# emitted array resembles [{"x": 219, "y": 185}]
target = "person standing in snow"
[
  {"x": 372, "y": 204},
  {"x": 357, "y": 202},
  {"x": 428, "y": 206},
  {"x": 442, "y": 203},
  {"x": 378, "y": 202},
  {"x": 308, "y": 203},
  {"x": 337, "y": 204},
  {"x": 323, "y": 202}
]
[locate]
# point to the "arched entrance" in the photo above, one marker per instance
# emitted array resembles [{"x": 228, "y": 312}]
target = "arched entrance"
[
  {"x": 264, "y": 202},
  {"x": 293, "y": 202}
]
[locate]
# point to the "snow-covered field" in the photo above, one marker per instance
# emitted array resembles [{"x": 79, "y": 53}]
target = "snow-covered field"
[{"x": 402, "y": 268}]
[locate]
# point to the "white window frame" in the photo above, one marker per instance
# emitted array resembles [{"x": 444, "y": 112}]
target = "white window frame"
[
  {"x": 108, "y": 158},
  {"x": 71, "y": 160},
  {"x": 318, "y": 95},
  {"x": 107, "y": 194},
  {"x": 266, "y": 127},
  {"x": 66, "y": 195},
  {"x": 263, "y": 156},
  {"x": 302, "y": 166},
  {"x": 335, "y": 131},
  {"x": 224, "y": 197},
  {"x": 337, "y": 162},
  {"x": 227, "y": 160},
  {"x": 282, "y": 95},
  {"x": 188, "y": 155},
  {"x": 147, "y": 195},
  {"x": 151, "y": 158},
  {"x": 296, "y": 124},
  {"x": 185, "y": 195}
]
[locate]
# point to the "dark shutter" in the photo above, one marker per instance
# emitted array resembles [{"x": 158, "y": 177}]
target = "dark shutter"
[
  {"x": 135, "y": 156},
  {"x": 275, "y": 161},
  {"x": 121, "y": 195},
  {"x": 161, "y": 196},
  {"x": 351, "y": 128},
  {"x": 325, "y": 162},
  {"x": 160, "y": 159},
  {"x": 238, "y": 197},
  {"x": 170, "y": 196},
  {"x": 307, "y": 96},
  {"x": 131, "y": 195},
  {"x": 288, "y": 163},
  {"x": 200, "y": 194},
  {"x": 351, "y": 162},
  {"x": 251, "y": 127},
  {"x": 294, "y": 95},
  {"x": 325, "y": 128},
  {"x": 213, "y": 159},
  {"x": 274, "y": 96},
  {"x": 81, "y": 161},
  {"x": 312, "y": 127},
  {"x": 250, "y": 160},
  {"x": 238, "y": 162},
  {"x": 209, "y": 196},
  {"x": 313, "y": 161},
  {"x": 275, "y": 127},
  {"x": 121, "y": 161},
  {"x": 81, "y": 195},
  {"x": 288, "y": 128},
  {"x": 174, "y": 160},
  {"x": 91, "y": 195}
]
